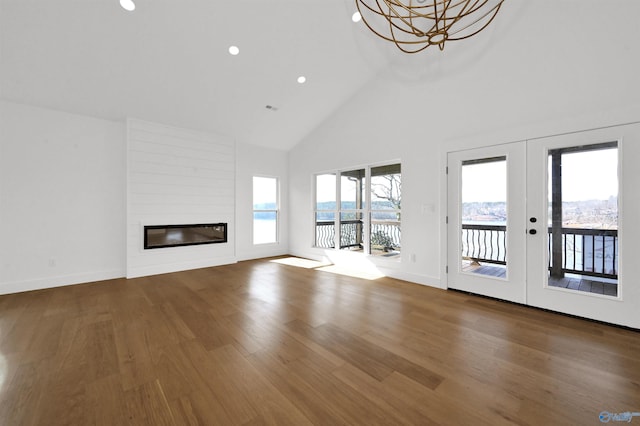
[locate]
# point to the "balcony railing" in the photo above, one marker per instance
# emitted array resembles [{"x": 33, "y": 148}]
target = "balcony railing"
[
  {"x": 384, "y": 234},
  {"x": 486, "y": 243},
  {"x": 325, "y": 234},
  {"x": 591, "y": 252}
]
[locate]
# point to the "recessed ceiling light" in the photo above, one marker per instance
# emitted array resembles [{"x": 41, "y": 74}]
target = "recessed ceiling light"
[
  {"x": 234, "y": 50},
  {"x": 128, "y": 5},
  {"x": 356, "y": 17},
  {"x": 302, "y": 79}
]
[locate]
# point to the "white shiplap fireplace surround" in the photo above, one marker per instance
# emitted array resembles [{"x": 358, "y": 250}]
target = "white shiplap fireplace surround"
[{"x": 177, "y": 176}]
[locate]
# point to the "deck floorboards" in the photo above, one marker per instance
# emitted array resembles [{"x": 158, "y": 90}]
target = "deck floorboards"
[{"x": 571, "y": 282}]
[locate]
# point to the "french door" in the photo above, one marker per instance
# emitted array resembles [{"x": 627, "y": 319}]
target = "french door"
[
  {"x": 540, "y": 222},
  {"x": 486, "y": 232}
]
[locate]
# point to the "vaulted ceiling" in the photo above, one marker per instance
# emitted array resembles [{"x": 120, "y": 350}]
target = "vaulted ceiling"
[{"x": 168, "y": 62}]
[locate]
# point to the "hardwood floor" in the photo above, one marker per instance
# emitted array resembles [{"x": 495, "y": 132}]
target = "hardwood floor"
[{"x": 260, "y": 342}]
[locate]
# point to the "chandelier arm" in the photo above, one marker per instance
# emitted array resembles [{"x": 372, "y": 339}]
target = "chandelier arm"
[
  {"x": 382, "y": 36},
  {"x": 417, "y": 10},
  {"x": 403, "y": 19},
  {"x": 494, "y": 10},
  {"x": 400, "y": 44},
  {"x": 437, "y": 17},
  {"x": 461, "y": 15},
  {"x": 478, "y": 5},
  {"x": 390, "y": 19},
  {"x": 474, "y": 8},
  {"x": 441, "y": 18}
]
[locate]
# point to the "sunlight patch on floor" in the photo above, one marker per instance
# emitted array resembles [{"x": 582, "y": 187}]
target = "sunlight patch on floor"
[
  {"x": 301, "y": 263},
  {"x": 341, "y": 270},
  {"x": 358, "y": 269}
]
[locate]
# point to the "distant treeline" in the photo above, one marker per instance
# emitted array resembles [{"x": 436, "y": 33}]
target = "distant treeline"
[{"x": 384, "y": 210}]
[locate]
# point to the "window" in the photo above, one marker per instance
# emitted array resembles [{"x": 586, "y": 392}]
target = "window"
[
  {"x": 359, "y": 210},
  {"x": 352, "y": 203},
  {"x": 265, "y": 210},
  {"x": 325, "y": 211},
  {"x": 386, "y": 198}
]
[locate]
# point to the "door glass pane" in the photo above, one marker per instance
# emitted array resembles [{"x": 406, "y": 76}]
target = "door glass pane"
[
  {"x": 583, "y": 218},
  {"x": 484, "y": 216}
]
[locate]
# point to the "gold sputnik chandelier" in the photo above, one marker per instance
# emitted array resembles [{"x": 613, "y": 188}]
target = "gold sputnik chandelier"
[{"x": 414, "y": 25}]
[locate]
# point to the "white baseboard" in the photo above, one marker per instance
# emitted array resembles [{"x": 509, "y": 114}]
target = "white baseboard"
[
  {"x": 260, "y": 254},
  {"x": 59, "y": 281},
  {"x": 144, "y": 271},
  {"x": 414, "y": 278}
]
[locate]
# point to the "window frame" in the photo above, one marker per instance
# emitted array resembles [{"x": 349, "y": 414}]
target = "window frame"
[
  {"x": 333, "y": 212},
  {"x": 275, "y": 210},
  {"x": 366, "y": 211}
]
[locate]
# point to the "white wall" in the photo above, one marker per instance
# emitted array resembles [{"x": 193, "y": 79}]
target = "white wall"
[
  {"x": 533, "y": 74},
  {"x": 174, "y": 177},
  {"x": 62, "y": 198},
  {"x": 342, "y": 143},
  {"x": 258, "y": 161}
]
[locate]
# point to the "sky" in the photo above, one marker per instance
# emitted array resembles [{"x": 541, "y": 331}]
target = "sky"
[
  {"x": 326, "y": 188},
  {"x": 264, "y": 190},
  {"x": 588, "y": 175}
]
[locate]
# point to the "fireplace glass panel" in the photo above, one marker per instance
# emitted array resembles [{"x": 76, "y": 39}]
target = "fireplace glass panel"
[{"x": 159, "y": 236}]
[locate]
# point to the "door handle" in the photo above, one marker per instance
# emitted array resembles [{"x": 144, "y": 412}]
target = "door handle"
[{"x": 533, "y": 231}]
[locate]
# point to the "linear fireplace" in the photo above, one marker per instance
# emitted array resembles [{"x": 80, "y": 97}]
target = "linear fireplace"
[{"x": 160, "y": 236}]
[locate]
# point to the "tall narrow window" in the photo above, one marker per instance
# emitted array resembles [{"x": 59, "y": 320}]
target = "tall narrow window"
[
  {"x": 265, "y": 210},
  {"x": 352, "y": 203},
  {"x": 325, "y": 211},
  {"x": 386, "y": 203}
]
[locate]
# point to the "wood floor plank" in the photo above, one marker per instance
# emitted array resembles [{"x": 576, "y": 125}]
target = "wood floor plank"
[
  {"x": 19, "y": 401},
  {"x": 101, "y": 351},
  {"x": 186, "y": 383},
  {"x": 134, "y": 356},
  {"x": 265, "y": 343},
  {"x": 62, "y": 394},
  {"x": 184, "y": 413},
  {"x": 226, "y": 389},
  {"x": 314, "y": 405},
  {"x": 106, "y": 403},
  {"x": 147, "y": 404},
  {"x": 271, "y": 406}
]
